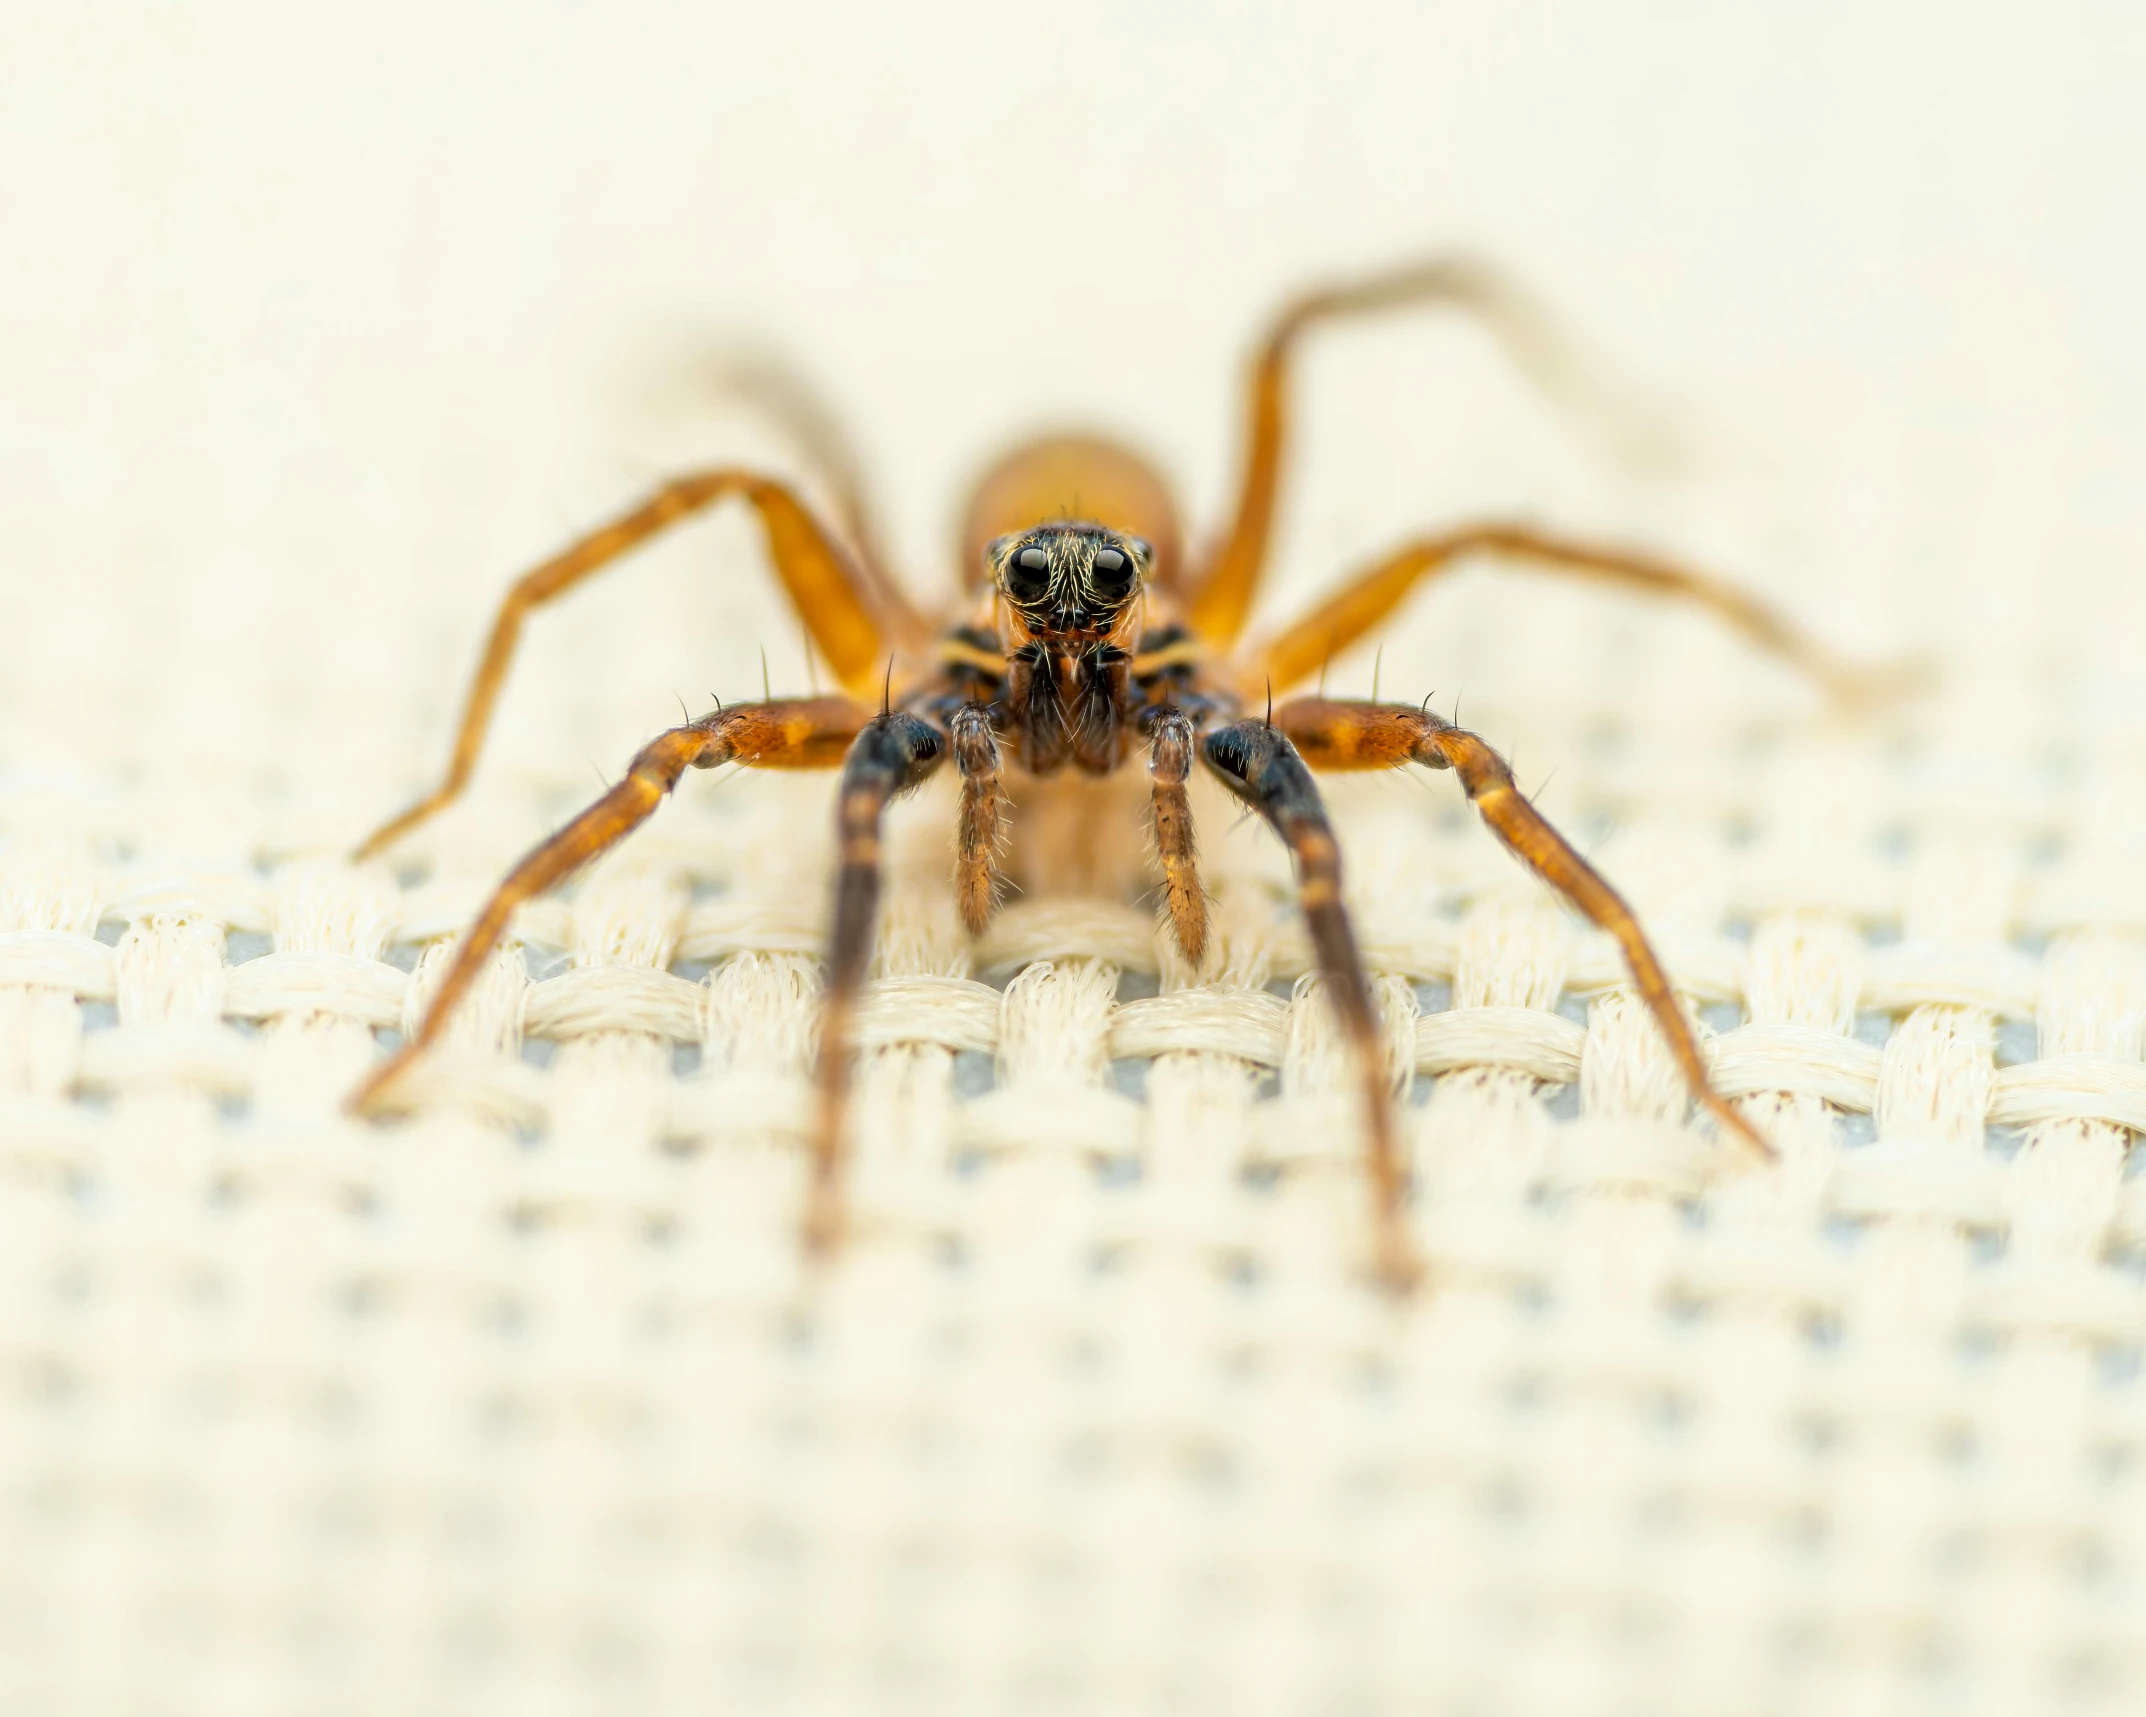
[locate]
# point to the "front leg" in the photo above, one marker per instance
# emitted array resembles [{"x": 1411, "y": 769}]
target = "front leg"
[
  {"x": 893, "y": 755},
  {"x": 1341, "y": 734},
  {"x": 798, "y": 733},
  {"x": 1257, "y": 763}
]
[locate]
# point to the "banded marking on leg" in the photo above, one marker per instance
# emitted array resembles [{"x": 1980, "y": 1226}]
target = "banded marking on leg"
[
  {"x": 1256, "y": 761},
  {"x": 1340, "y": 733}
]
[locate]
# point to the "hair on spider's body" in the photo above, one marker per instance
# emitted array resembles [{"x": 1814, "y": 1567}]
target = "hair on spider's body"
[{"x": 1086, "y": 640}]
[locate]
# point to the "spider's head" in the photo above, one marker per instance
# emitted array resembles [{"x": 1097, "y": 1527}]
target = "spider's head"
[{"x": 1070, "y": 580}]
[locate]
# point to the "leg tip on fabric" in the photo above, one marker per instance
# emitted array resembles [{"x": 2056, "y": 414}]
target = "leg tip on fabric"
[
  {"x": 1744, "y": 1133},
  {"x": 821, "y": 1233},
  {"x": 366, "y": 1103},
  {"x": 1872, "y": 688},
  {"x": 1397, "y": 1269}
]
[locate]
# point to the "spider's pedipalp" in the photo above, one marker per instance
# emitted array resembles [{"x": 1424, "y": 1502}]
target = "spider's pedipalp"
[
  {"x": 1366, "y": 601},
  {"x": 976, "y": 755},
  {"x": 1170, "y": 743}
]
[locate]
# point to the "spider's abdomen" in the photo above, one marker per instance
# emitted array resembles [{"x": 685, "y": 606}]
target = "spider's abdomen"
[{"x": 1072, "y": 476}]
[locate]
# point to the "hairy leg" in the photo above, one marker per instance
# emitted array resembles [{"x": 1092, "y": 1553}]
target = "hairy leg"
[
  {"x": 1299, "y": 652},
  {"x": 853, "y": 612},
  {"x": 1223, "y": 591},
  {"x": 976, "y": 755},
  {"x": 890, "y": 756},
  {"x": 803, "y": 733},
  {"x": 1257, "y": 762},
  {"x": 1342, "y": 734}
]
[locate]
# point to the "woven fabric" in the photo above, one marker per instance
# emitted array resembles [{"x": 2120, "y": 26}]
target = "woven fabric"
[{"x": 524, "y": 1404}]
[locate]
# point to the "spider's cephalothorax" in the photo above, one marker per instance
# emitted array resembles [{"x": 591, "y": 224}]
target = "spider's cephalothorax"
[
  {"x": 1097, "y": 644},
  {"x": 1069, "y": 620}
]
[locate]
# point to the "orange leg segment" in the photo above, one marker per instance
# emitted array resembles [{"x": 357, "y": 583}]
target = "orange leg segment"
[
  {"x": 892, "y": 754},
  {"x": 853, "y": 611},
  {"x": 1339, "y": 734},
  {"x": 1296, "y": 654},
  {"x": 1222, "y": 594},
  {"x": 805, "y": 733}
]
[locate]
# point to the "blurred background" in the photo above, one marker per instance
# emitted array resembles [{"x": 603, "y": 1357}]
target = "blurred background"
[{"x": 317, "y": 326}]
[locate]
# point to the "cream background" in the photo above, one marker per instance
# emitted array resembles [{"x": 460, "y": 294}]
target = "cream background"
[{"x": 316, "y": 327}]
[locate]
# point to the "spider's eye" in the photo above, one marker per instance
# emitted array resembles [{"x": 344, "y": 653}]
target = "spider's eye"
[
  {"x": 1112, "y": 573},
  {"x": 1028, "y": 574}
]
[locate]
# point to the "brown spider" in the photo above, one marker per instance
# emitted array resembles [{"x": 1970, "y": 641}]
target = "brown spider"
[{"x": 1087, "y": 642}]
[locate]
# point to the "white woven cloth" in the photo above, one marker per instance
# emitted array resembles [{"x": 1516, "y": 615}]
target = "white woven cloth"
[{"x": 524, "y": 1405}]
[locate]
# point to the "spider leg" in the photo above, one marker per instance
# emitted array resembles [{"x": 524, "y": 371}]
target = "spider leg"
[
  {"x": 1257, "y": 762},
  {"x": 976, "y": 755},
  {"x": 1170, "y": 741},
  {"x": 892, "y": 754},
  {"x": 852, "y": 610},
  {"x": 803, "y": 733},
  {"x": 789, "y": 399},
  {"x": 1340, "y": 734},
  {"x": 1223, "y": 591},
  {"x": 1298, "y": 652}
]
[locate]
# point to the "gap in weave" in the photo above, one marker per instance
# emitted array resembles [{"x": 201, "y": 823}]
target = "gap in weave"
[
  {"x": 2004, "y": 1143},
  {"x": 1138, "y": 986},
  {"x": 2117, "y": 1367},
  {"x": 541, "y": 960},
  {"x": 2018, "y": 1041}
]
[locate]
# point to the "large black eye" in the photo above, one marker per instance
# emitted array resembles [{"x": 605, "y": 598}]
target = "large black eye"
[
  {"x": 1112, "y": 573},
  {"x": 1028, "y": 574}
]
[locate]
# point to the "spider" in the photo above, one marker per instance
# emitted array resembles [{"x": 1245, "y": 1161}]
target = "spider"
[{"x": 1089, "y": 643}]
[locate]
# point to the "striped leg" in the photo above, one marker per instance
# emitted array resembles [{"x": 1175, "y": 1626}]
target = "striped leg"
[
  {"x": 1257, "y": 762},
  {"x": 1341, "y": 734}
]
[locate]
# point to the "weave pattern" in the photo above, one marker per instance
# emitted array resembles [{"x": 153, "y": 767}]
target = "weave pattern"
[{"x": 523, "y": 1403}]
